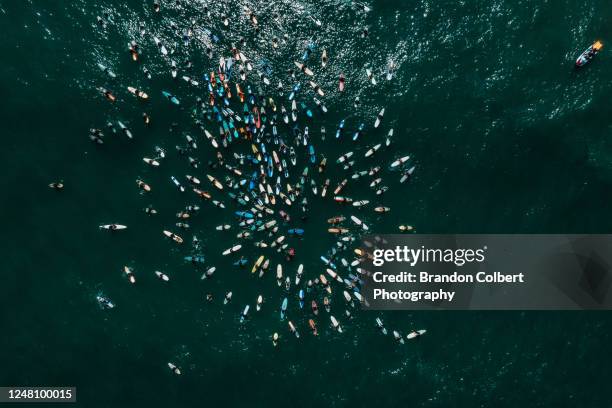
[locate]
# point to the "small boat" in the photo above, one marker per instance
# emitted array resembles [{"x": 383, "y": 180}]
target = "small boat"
[{"x": 589, "y": 53}]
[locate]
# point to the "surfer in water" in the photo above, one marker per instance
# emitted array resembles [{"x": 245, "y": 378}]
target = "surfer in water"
[
  {"x": 57, "y": 185},
  {"x": 290, "y": 254}
]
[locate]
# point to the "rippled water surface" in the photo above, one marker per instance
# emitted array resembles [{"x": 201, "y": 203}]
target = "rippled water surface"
[{"x": 505, "y": 134}]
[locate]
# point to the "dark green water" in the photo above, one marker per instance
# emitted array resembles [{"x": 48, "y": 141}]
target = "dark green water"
[{"x": 506, "y": 135}]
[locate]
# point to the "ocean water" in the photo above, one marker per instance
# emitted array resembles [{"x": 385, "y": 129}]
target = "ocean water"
[{"x": 505, "y": 134}]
